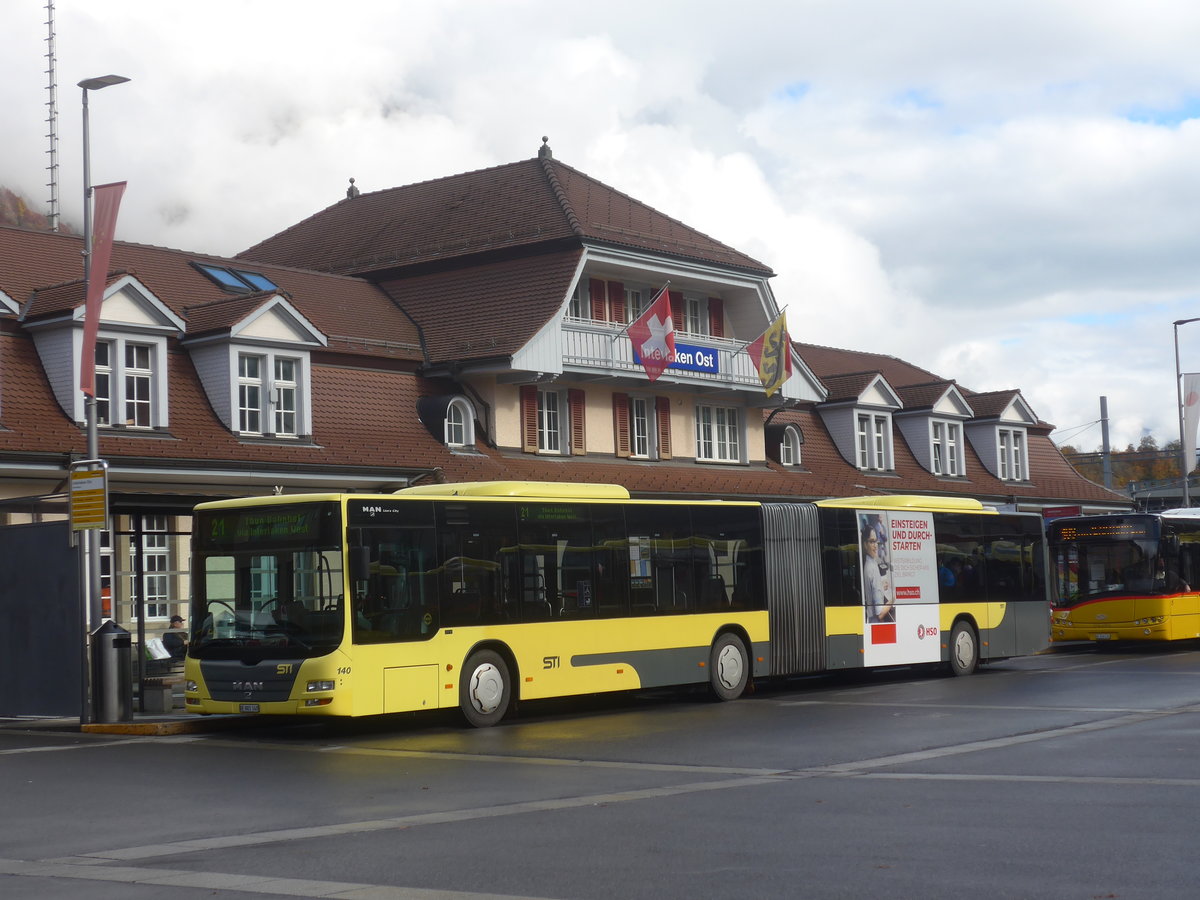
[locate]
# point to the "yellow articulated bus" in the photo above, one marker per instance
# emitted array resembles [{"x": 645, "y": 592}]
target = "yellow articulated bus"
[
  {"x": 479, "y": 595},
  {"x": 1126, "y": 577}
]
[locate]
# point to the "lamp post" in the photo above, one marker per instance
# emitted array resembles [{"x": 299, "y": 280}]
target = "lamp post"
[
  {"x": 1184, "y": 463},
  {"x": 95, "y": 608}
]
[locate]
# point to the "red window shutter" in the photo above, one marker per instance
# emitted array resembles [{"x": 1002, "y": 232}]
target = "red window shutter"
[
  {"x": 621, "y": 439},
  {"x": 676, "y": 308},
  {"x": 529, "y": 418},
  {"x": 596, "y": 290},
  {"x": 662, "y": 413},
  {"x": 716, "y": 317},
  {"x": 576, "y": 403},
  {"x": 616, "y": 301}
]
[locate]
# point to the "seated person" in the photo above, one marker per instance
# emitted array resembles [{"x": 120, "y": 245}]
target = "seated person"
[{"x": 175, "y": 638}]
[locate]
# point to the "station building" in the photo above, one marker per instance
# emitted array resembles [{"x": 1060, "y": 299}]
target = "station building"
[{"x": 473, "y": 327}]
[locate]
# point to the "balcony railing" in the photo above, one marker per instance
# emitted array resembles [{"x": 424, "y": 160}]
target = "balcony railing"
[{"x": 601, "y": 348}]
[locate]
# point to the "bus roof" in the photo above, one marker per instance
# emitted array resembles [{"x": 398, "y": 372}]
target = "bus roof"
[
  {"x": 909, "y": 502},
  {"x": 549, "y": 490}
]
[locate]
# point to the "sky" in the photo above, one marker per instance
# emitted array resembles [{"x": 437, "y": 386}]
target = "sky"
[{"x": 1005, "y": 194}]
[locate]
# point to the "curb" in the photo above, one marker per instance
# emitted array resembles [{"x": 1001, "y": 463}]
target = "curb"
[
  {"x": 149, "y": 727},
  {"x": 165, "y": 727}
]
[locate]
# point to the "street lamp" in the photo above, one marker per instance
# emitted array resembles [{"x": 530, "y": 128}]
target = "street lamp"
[
  {"x": 1185, "y": 464},
  {"x": 95, "y": 607}
]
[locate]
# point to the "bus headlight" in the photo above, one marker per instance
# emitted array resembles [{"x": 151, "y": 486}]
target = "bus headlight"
[
  {"x": 190, "y": 687},
  {"x": 314, "y": 686}
]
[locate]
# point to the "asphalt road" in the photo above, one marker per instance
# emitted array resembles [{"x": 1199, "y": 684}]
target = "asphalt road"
[{"x": 1067, "y": 775}]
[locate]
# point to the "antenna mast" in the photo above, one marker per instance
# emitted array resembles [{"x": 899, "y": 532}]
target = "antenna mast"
[{"x": 52, "y": 115}]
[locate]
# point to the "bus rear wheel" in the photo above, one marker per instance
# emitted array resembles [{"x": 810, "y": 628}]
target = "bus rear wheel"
[
  {"x": 964, "y": 649},
  {"x": 485, "y": 691},
  {"x": 728, "y": 667}
]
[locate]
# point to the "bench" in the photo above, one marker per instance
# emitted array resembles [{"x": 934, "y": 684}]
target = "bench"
[{"x": 157, "y": 680}]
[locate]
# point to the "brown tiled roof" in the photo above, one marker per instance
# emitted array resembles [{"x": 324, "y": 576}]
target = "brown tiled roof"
[
  {"x": 223, "y": 314},
  {"x": 847, "y": 387},
  {"x": 825, "y": 361},
  {"x": 363, "y": 418},
  {"x": 355, "y": 315},
  {"x": 504, "y": 208},
  {"x": 991, "y": 403},
  {"x": 923, "y": 396},
  {"x": 831, "y": 476},
  {"x": 829, "y": 363},
  {"x": 489, "y": 310},
  {"x": 57, "y": 298}
]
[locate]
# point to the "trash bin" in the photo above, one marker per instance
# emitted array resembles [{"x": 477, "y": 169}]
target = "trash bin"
[{"x": 112, "y": 674}]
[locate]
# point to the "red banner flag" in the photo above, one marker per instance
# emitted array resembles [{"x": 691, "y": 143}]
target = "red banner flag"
[
  {"x": 772, "y": 355},
  {"x": 653, "y": 336},
  {"x": 106, "y": 201}
]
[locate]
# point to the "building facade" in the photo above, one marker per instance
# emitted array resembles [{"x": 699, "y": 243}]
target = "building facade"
[{"x": 472, "y": 327}]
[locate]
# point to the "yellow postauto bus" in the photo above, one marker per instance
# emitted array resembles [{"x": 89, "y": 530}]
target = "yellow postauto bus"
[
  {"x": 480, "y": 595},
  {"x": 1126, "y": 577}
]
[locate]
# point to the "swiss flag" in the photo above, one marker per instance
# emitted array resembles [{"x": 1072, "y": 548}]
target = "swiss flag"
[{"x": 653, "y": 336}]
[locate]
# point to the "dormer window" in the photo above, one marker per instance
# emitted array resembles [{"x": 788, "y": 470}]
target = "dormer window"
[
  {"x": 1011, "y": 450},
  {"x": 130, "y": 354},
  {"x": 460, "y": 423},
  {"x": 874, "y": 441},
  {"x": 789, "y": 446},
  {"x": 946, "y": 448},
  {"x": 252, "y": 355},
  {"x": 268, "y": 393},
  {"x": 126, "y": 375}
]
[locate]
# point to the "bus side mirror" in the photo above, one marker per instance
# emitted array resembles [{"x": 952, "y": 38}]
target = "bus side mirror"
[{"x": 360, "y": 563}]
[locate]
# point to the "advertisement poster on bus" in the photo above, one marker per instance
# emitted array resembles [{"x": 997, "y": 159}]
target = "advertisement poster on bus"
[{"x": 899, "y": 588}]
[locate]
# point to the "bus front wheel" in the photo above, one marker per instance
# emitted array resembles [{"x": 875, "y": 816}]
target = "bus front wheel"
[
  {"x": 728, "y": 667},
  {"x": 964, "y": 649},
  {"x": 486, "y": 689}
]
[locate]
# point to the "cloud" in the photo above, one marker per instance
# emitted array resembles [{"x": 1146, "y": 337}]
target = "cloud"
[{"x": 1004, "y": 194}]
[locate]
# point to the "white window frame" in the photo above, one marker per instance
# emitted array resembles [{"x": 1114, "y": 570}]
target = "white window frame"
[
  {"x": 945, "y": 445},
  {"x": 789, "y": 447},
  {"x": 130, "y": 387},
  {"x": 285, "y": 392},
  {"x": 155, "y": 596},
  {"x": 553, "y": 429},
  {"x": 719, "y": 434},
  {"x": 695, "y": 316},
  {"x": 1010, "y": 453},
  {"x": 251, "y": 389},
  {"x": 642, "y": 427},
  {"x": 636, "y": 301},
  {"x": 580, "y": 306},
  {"x": 460, "y": 424},
  {"x": 273, "y": 396},
  {"x": 874, "y": 435}
]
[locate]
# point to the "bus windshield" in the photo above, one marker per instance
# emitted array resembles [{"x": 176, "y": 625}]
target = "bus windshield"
[
  {"x": 267, "y": 581},
  {"x": 261, "y": 603},
  {"x": 1105, "y": 560}
]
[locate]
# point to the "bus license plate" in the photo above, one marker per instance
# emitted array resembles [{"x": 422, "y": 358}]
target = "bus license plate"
[
  {"x": 248, "y": 707},
  {"x": 1104, "y": 637}
]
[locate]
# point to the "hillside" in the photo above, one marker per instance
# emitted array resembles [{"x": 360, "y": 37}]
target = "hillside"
[{"x": 16, "y": 210}]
